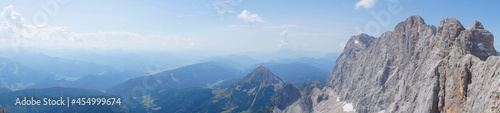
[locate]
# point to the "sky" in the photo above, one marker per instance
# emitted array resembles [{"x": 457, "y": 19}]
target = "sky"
[{"x": 223, "y": 26}]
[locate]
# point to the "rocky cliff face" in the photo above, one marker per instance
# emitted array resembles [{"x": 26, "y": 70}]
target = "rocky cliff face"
[
  {"x": 284, "y": 98},
  {"x": 418, "y": 68}
]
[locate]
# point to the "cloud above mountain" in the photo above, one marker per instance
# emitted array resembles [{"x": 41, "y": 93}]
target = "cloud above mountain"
[
  {"x": 284, "y": 39},
  {"x": 250, "y": 18},
  {"x": 365, "y": 4},
  {"x": 18, "y": 33},
  {"x": 15, "y": 17}
]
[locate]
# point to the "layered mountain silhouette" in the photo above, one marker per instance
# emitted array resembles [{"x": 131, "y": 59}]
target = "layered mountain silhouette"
[
  {"x": 325, "y": 63},
  {"x": 205, "y": 75},
  {"x": 100, "y": 81},
  {"x": 16, "y": 76},
  {"x": 4, "y": 90},
  {"x": 416, "y": 68},
  {"x": 252, "y": 94},
  {"x": 236, "y": 61},
  {"x": 63, "y": 68}
]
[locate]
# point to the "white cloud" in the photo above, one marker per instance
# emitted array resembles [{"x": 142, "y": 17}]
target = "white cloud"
[
  {"x": 15, "y": 17},
  {"x": 284, "y": 40},
  {"x": 283, "y": 34},
  {"x": 249, "y": 18},
  {"x": 366, "y": 4},
  {"x": 26, "y": 35}
]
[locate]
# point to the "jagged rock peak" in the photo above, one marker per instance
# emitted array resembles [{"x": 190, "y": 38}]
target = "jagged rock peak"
[
  {"x": 415, "y": 20},
  {"x": 418, "y": 68},
  {"x": 362, "y": 40},
  {"x": 450, "y": 27},
  {"x": 477, "y": 25},
  {"x": 482, "y": 41}
]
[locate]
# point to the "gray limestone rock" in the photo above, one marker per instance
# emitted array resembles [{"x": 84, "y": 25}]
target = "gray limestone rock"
[
  {"x": 418, "y": 68},
  {"x": 477, "y": 25},
  {"x": 287, "y": 96}
]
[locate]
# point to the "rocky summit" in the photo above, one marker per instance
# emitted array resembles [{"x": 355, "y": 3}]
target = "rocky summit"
[
  {"x": 251, "y": 94},
  {"x": 417, "y": 68},
  {"x": 260, "y": 77}
]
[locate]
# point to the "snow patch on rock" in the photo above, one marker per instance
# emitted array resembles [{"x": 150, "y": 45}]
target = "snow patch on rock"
[{"x": 348, "y": 108}]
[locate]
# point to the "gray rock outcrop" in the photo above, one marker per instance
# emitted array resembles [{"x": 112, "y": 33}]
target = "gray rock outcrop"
[
  {"x": 287, "y": 96},
  {"x": 418, "y": 68}
]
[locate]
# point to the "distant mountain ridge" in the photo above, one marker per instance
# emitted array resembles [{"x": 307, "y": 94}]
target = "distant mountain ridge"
[
  {"x": 251, "y": 94},
  {"x": 296, "y": 73},
  {"x": 326, "y": 62},
  {"x": 235, "y": 61},
  {"x": 63, "y": 68},
  {"x": 208, "y": 74},
  {"x": 4, "y": 90},
  {"x": 16, "y": 76},
  {"x": 102, "y": 81}
]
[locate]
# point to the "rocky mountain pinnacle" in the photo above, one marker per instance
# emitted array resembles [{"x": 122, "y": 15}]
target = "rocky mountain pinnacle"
[
  {"x": 251, "y": 94},
  {"x": 417, "y": 68},
  {"x": 260, "y": 77},
  {"x": 477, "y": 25}
]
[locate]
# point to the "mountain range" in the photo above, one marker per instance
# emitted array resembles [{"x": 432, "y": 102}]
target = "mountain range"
[
  {"x": 415, "y": 68},
  {"x": 60, "y": 67},
  {"x": 102, "y": 81},
  {"x": 295, "y": 72},
  {"x": 239, "y": 62},
  {"x": 15, "y": 76},
  {"x": 252, "y": 94},
  {"x": 204, "y": 75}
]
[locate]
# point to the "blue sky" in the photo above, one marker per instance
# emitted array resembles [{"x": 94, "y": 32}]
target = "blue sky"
[{"x": 225, "y": 26}]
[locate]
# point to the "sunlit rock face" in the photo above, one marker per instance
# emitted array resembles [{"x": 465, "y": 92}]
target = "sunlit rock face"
[{"x": 417, "y": 68}]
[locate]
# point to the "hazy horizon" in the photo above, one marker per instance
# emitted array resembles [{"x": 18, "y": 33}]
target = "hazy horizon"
[{"x": 217, "y": 27}]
